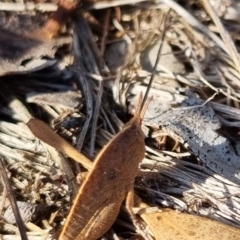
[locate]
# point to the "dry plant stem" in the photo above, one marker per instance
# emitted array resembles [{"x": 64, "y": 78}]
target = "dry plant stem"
[
  {"x": 13, "y": 201},
  {"x": 89, "y": 105},
  {"x": 92, "y": 61},
  {"x": 16, "y": 106},
  {"x": 3, "y": 198},
  {"x": 85, "y": 37},
  {"x": 194, "y": 22},
  {"x": 113, "y": 3},
  {"x": 95, "y": 118},
  {"x": 44, "y": 7},
  {"x": 105, "y": 31},
  {"x": 108, "y": 122},
  {"x": 197, "y": 68},
  {"x": 100, "y": 197},
  {"x": 65, "y": 168},
  {"x": 47, "y": 135},
  {"x": 224, "y": 34},
  {"x": 31, "y": 237},
  {"x": 7, "y": 227}
]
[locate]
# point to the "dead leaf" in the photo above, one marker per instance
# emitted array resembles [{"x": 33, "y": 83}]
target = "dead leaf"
[{"x": 171, "y": 225}]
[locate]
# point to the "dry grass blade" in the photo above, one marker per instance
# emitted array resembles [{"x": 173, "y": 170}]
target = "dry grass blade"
[
  {"x": 30, "y": 6},
  {"x": 194, "y": 22},
  {"x": 13, "y": 201},
  {"x": 224, "y": 34},
  {"x": 105, "y": 32},
  {"x": 114, "y": 3}
]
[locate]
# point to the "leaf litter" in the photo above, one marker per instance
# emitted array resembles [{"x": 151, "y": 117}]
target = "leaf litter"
[{"x": 192, "y": 125}]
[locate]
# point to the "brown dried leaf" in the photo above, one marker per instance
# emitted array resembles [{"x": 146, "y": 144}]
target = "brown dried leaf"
[{"x": 171, "y": 225}]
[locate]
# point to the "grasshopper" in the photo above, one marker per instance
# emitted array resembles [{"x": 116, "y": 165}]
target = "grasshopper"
[{"x": 110, "y": 180}]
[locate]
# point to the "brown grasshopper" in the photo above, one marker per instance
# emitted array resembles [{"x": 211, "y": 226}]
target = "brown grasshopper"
[{"x": 110, "y": 180}]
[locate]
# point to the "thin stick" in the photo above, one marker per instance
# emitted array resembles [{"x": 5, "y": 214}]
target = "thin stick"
[
  {"x": 94, "y": 61},
  {"x": 13, "y": 202},
  {"x": 95, "y": 118},
  {"x": 105, "y": 31},
  {"x": 89, "y": 107}
]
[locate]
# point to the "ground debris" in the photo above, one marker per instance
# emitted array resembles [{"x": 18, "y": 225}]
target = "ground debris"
[{"x": 86, "y": 96}]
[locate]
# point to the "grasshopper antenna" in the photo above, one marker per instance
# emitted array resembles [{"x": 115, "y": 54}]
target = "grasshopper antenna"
[{"x": 165, "y": 20}]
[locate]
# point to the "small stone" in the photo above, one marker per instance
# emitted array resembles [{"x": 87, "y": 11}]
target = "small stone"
[
  {"x": 116, "y": 55},
  {"x": 28, "y": 212},
  {"x": 167, "y": 59}
]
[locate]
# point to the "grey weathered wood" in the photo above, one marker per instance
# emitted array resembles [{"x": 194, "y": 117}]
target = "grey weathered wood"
[{"x": 196, "y": 127}]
